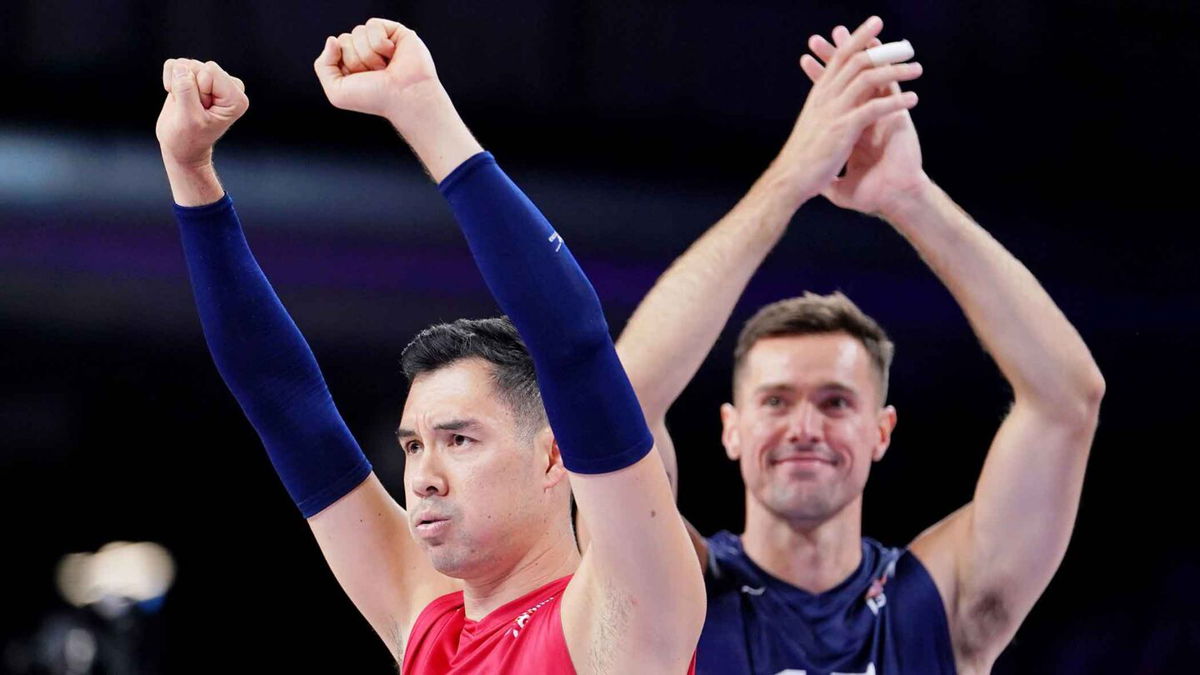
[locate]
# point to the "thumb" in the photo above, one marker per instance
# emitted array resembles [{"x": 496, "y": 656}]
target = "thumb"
[
  {"x": 328, "y": 65},
  {"x": 185, "y": 90},
  {"x": 838, "y": 193}
]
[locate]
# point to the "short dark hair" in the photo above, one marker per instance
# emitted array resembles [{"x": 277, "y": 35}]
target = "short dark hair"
[
  {"x": 813, "y": 314},
  {"x": 494, "y": 340}
]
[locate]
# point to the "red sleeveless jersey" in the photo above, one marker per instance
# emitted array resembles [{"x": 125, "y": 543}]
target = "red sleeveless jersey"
[{"x": 523, "y": 636}]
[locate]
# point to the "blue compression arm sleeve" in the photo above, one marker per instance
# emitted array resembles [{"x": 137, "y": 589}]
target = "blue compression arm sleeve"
[
  {"x": 266, "y": 363},
  {"x": 592, "y": 408}
]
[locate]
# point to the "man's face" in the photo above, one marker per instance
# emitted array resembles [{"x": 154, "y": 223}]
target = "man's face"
[
  {"x": 806, "y": 424},
  {"x": 478, "y": 488}
]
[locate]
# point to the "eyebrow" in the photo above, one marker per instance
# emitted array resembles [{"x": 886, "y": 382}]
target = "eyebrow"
[
  {"x": 825, "y": 386},
  {"x": 452, "y": 425}
]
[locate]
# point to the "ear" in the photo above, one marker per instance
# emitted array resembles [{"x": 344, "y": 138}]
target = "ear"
[
  {"x": 550, "y": 457},
  {"x": 886, "y": 423},
  {"x": 729, "y": 431}
]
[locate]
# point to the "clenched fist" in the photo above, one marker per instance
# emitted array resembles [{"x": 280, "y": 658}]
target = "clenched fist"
[
  {"x": 379, "y": 68},
  {"x": 203, "y": 101},
  {"x": 383, "y": 68}
]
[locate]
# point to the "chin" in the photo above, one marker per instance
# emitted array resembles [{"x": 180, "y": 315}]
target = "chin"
[
  {"x": 450, "y": 563},
  {"x": 459, "y": 560},
  {"x": 803, "y": 505}
]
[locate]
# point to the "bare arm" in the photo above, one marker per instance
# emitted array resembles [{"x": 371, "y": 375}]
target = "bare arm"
[
  {"x": 636, "y": 602},
  {"x": 363, "y": 535},
  {"x": 995, "y": 557},
  {"x": 668, "y": 336},
  {"x": 992, "y": 558},
  {"x": 366, "y": 540},
  {"x": 681, "y": 318}
]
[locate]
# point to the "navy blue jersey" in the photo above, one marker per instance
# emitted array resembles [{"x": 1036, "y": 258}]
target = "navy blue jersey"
[{"x": 887, "y": 618}]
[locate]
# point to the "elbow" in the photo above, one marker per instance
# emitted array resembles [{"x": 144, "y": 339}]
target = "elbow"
[
  {"x": 1068, "y": 401},
  {"x": 1076, "y": 407},
  {"x": 1094, "y": 389},
  {"x": 572, "y": 343},
  {"x": 1089, "y": 392}
]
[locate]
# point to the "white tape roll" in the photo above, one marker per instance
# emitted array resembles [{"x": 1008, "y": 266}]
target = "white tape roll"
[{"x": 892, "y": 52}]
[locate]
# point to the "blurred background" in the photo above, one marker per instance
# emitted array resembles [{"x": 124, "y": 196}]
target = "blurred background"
[{"x": 1066, "y": 128}]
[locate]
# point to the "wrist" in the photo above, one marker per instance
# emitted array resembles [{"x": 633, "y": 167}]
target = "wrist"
[
  {"x": 415, "y": 108},
  {"x": 193, "y": 164},
  {"x": 429, "y": 123},
  {"x": 193, "y": 183},
  {"x": 908, "y": 207},
  {"x": 783, "y": 181}
]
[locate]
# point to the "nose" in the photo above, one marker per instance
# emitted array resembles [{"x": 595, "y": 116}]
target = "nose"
[
  {"x": 426, "y": 477},
  {"x": 804, "y": 424}
]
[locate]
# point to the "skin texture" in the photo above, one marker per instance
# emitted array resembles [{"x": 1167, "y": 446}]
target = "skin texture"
[
  {"x": 807, "y": 426},
  {"x": 501, "y": 499}
]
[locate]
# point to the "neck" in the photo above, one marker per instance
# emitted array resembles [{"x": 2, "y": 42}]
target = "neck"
[
  {"x": 813, "y": 555},
  {"x": 553, "y": 556}
]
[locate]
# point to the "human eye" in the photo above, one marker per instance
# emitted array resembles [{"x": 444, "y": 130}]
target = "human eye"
[
  {"x": 838, "y": 403},
  {"x": 412, "y": 447},
  {"x": 774, "y": 402}
]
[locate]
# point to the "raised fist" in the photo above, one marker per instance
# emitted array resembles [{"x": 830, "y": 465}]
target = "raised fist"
[
  {"x": 203, "y": 101},
  {"x": 380, "y": 68}
]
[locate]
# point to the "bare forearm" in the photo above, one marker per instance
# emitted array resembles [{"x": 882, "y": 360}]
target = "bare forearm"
[
  {"x": 678, "y": 322},
  {"x": 1003, "y": 549},
  {"x": 193, "y": 185},
  {"x": 1035, "y": 346},
  {"x": 435, "y": 131}
]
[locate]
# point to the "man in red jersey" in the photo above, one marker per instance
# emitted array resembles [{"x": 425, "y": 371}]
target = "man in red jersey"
[{"x": 482, "y": 573}]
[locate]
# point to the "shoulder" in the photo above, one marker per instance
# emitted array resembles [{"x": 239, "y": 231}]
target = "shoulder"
[
  {"x": 430, "y": 621},
  {"x": 912, "y": 578},
  {"x": 900, "y": 573},
  {"x": 441, "y": 606},
  {"x": 918, "y": 612},
  {"x": 724, "y": 551},
  {"x": 725, "y": 559}
]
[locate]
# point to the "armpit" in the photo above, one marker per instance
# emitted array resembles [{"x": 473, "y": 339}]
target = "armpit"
[
  {"x": 983, "y": 622},
  {"x": 615, "y": 611}
]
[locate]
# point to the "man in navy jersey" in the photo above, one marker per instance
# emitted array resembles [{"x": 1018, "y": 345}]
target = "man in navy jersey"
[{"x": 801, "y": 590}]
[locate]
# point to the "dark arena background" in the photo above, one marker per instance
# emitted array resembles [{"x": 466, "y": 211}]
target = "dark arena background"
[{"x": 1068, "y": 129}]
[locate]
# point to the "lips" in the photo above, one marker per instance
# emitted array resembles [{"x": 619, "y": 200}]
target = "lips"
[
  {"x": 428, "y": 525},
  {"x": 804, "y": 459}
]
